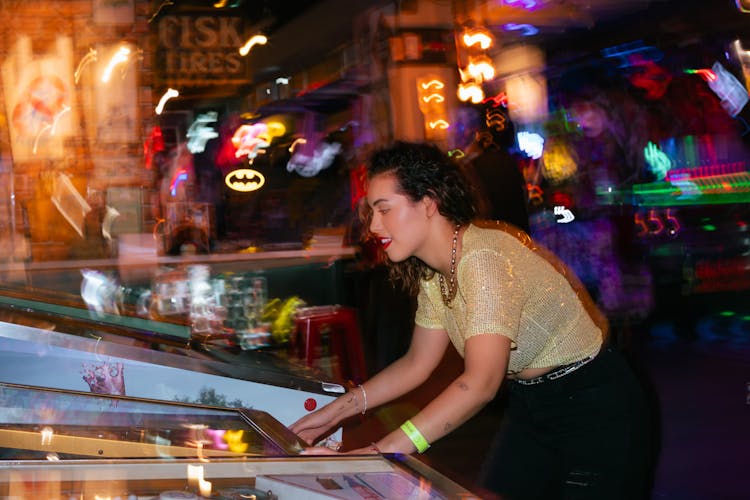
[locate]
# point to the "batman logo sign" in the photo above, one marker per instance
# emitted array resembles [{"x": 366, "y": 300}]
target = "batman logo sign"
[{"x": 245, "y": 180}]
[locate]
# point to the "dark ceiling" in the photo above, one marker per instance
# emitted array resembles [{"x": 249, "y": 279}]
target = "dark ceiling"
[{"x": 271, "y": 13}]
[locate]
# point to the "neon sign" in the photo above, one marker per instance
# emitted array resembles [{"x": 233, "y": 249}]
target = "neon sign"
[
  {"x": 200, "y": 132},
  {"x": 244, "y": 180},
  {"x": 706, "y": 74},
  {"x": 430, "y": 90},
  {"x": 254, "y": 40},
  {"x": 251, "y": 140},
  {"x": 481, "y": 69},
  {"x": 170, "y": 93},
  {"x": 181, "y": 175},
  {"x": 477, "y": 36},
  {"x": 526, "y": 4},
  {"x": 531, "y": 143},
  {"x": 565, "y": 213},
  {"x": 495, "y": 120},
  {"x": 525, "y": 29},
  {"x": 500, "y": 99},
  {"x": 657, "y": 160},
  {"x": 309, "y": 166},
  {"x": 470, "y": 92},
  {"x": 440, "y": 124},
  {"x": 653, "y": 225}
]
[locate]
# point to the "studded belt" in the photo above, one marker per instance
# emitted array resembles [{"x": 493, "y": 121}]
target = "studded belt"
[{"x": 558, "y": 372}]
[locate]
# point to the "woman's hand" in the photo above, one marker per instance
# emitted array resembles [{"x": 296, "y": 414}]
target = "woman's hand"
[
  {"x": 313, "y": 425},
  {"x": 322, "y": 450}
]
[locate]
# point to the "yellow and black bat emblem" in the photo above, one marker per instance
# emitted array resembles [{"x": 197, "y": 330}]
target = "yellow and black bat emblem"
[{"x": 245, "y": 180}]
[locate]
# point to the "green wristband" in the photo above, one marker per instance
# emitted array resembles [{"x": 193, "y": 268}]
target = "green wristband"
[{"x": 415, "y": 436}]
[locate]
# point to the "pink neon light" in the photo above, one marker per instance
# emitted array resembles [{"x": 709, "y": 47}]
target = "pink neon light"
[
  {"x": 180, "y": 175},
  {"x": 497, "y": 100},
  {"x": 707, "y": 171}
]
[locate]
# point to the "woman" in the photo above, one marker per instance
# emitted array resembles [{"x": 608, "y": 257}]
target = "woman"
[{"x": 576, "y": 422}]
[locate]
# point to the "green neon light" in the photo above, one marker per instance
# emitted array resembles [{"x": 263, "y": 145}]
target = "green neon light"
[
  {"x": 714, "y": 190},
  {"x": 657, "y": 160},
  {"x": 691, "y": 150}
]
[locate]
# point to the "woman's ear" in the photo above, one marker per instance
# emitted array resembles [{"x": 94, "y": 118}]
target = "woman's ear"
[{"x": 431, "y": 207}]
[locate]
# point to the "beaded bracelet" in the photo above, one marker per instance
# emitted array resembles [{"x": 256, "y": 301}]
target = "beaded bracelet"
[{"x": 415, "y": 436}]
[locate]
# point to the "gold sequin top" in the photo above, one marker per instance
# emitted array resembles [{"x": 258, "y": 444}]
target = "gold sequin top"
[{"x": 509, "y": 286}]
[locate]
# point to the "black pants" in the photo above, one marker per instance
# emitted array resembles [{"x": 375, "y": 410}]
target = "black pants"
[{"x": 584, "y": 435}]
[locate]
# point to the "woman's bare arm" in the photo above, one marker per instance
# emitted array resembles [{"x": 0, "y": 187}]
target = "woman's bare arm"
[{"x": 485, "y": 364}]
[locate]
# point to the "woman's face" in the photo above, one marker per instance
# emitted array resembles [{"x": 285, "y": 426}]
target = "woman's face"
[
  {"x": 399, "y": 224},
  {"x": 590, "y": 117}
]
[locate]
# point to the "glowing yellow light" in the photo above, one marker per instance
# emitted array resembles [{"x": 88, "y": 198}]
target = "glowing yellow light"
[
  {"x": 557, "y": 162},
  {"x": 91, "y": 56},
  {"x": 433, "y": 97},
  {"x": 301, "y": 140},
  {"x": 244, "y": 180},
  {"x": 170, "y": 93},
  {"x": 481, "y": 69},
  {"x": 273, "y": 129},
  {"x": 235, "y": 442},
  {"x": 477, "y": 36},
  {"x": 470, "y": 92},
  {"x": 120, "y": 56},
  {"x": 254, "y": 40},
  {"x": 220, "y": 4},
  {"x": 439, "y": 124},
  {"x": 437, "y": 84}
]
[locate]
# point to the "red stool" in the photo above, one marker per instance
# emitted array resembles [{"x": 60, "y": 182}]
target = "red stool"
[{"x": 329, "y": 335}]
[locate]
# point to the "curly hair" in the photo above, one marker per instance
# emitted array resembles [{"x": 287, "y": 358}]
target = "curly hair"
[{"x": 422, "y": 170}]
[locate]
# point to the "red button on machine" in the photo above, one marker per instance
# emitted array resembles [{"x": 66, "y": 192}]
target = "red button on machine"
[{"x": 310, "y": 404}]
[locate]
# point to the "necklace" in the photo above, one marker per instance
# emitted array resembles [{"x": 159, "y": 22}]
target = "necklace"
[{"x": 452, "y": 285}]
